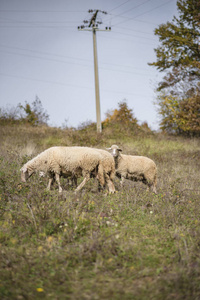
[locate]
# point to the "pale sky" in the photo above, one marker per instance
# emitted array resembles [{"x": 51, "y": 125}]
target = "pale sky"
[{"x": 42, "y": 53}]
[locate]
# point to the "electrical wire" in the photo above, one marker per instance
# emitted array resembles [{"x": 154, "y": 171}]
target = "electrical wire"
[
  {"x": 67, "y": 84},
  {"x": 75, "y": 63},
  {"x": 119, "y": 5},
  {"x": 139, "y": 15},
  {"x": 40, "y": 11},
  {"x": 133, "y": 8},
  {"x": 62, "y": 56}
]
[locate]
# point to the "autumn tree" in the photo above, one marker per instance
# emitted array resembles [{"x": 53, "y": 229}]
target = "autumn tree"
[
  {"x": 178, "y": 56},
  {"x": 121, "y": 119},
  {"x": 181, "y": 116},
  {"x": 122, "y": 115}
]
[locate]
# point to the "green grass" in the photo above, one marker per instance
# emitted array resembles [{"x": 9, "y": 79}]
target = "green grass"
[{"x": 130, "y": 245}]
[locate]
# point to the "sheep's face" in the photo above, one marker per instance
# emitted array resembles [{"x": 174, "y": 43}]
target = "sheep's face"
[
  {"x": 115, "y": 151},
  {"x": 25, "y": 174}
]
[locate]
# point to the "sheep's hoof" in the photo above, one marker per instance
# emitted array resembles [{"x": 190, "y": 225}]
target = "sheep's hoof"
[
  {"x": 111, "y": 192},
  {"x": 77, "y": 192}
]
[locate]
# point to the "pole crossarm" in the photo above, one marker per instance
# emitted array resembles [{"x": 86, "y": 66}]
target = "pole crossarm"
[{"x": 93, "y": 27}]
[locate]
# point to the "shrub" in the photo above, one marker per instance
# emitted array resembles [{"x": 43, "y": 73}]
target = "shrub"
[{"x": 33, "y": 114}]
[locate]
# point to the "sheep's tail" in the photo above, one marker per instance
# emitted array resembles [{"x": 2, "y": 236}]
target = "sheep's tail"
[{"x": 100, "y": 174}]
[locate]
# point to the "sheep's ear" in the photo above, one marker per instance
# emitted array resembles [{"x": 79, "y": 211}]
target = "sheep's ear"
[
  {"x": 119, "y": 149},
  {"x": 108, "y": 149}
]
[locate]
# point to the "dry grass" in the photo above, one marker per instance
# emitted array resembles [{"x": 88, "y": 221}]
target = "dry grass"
[{"x": 130, "y": 245}]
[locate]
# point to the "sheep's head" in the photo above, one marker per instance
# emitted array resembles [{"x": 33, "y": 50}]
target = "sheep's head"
[
  {"x": 115, "y": 150},
  {"x": 25, "y": 173}
]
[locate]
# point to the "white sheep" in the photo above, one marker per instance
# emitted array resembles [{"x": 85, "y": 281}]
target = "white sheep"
[
  {"x": 108, "y": 171},
  {"x": 137, "y": 168},
  {"x": 69, "y": 161}
]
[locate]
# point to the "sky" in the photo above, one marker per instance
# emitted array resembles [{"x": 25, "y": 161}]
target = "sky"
[{"x": 43, "y": 54}]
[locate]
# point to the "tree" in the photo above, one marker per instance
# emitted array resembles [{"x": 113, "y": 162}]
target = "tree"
[
  {"x": 178, "y": 56},
  {"x": 122, "y": 116},
  {"x": 179, "y": 52},
  {"x": 180, "y": 116}
]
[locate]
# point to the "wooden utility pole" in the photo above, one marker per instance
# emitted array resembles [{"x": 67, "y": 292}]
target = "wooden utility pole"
[
  {"x": 96, "y": 76},
  {"x": 94, "y": 27}
]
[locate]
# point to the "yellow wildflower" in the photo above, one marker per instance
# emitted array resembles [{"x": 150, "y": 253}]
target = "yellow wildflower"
[{"x": 40, "y": 290}]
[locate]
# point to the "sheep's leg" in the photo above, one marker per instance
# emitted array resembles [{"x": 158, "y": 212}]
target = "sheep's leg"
[
  {"x": 49, "y": 184},
  {"x": 110, "y": 184},
  {"x": 111, "y": 187},
  {"x": 74, "y": 181},
  {"x": 122, "y": 181},
  {"x": 151, "y": 185},
  {"x": 51, "y": 180},
  {"x": 100, "y": 175},
  {"x": 154, "y": 184},
  {"x": 153, "y": 188},
  {"x": 81, "y": 185},
  {"x": 58, "y": 181}
]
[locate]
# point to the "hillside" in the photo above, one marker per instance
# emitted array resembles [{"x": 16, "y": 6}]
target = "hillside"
[{"x": 130, "y": 245}]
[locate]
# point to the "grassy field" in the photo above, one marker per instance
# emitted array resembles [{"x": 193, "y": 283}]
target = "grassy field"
[{"x": 130, "y": 245}]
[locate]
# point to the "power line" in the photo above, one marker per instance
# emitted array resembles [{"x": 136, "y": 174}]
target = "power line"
[
  {"x": 133, "y": 19},
  {"x": 68, "y": 57},
  {"x": 44, "y": 81},
  {"x": 138, "y": 31},
  {"x": 41, "y": 58},
  {"x": 87, "y": 66},
  {"x": 121, "y": 14},
  {"x": 119, "y": 5},
  {"x": 128, "y": 40},
  {"x": 128, "y": 34},
  {"x": 43, "y": 53},
  {"x": 133, "y": 8},
  {"x": 128, "y": 19},
  {"x": 34, "y": 26},
  {"x": 67, "y": 84},
  {"x": 41, "y": 11},
  {"x": 37, "y": 22}
]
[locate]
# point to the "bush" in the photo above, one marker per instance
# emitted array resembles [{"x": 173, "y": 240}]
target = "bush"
[{"x": 33, "y": 114}]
